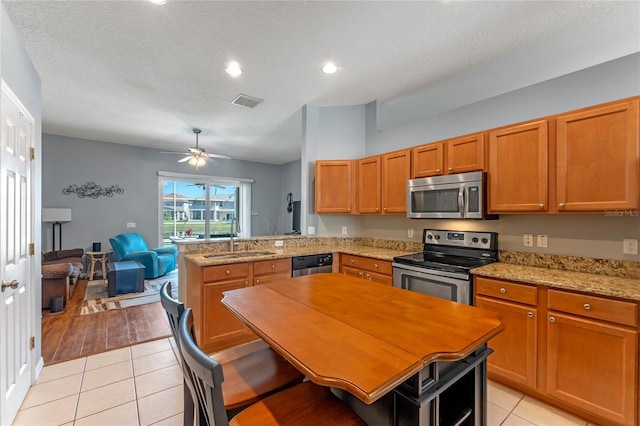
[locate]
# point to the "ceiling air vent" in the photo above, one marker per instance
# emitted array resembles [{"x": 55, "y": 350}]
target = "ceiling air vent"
[{"x": 246, "y": 101}]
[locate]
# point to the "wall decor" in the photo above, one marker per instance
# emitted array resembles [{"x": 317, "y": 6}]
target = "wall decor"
[{"x": 90, "y": 189}]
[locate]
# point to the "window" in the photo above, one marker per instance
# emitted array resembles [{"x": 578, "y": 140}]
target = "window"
[{"x": 203, "y": 207}]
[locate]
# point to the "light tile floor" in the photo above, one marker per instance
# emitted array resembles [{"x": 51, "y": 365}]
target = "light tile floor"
[{"x": 142, "y": 385}]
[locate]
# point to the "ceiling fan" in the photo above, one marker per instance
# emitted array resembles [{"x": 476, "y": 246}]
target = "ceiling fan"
[{"x": 197, "y": 156}]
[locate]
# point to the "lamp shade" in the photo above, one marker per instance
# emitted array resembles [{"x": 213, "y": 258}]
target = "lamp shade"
[{"x": 56, "y": 215}]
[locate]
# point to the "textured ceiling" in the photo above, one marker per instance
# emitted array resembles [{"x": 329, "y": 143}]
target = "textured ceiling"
[{"x": 134, "y": 73}]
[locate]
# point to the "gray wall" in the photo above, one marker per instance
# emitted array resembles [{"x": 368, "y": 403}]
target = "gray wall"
[
  {"x": 582, "y": 235},
  {"x": 68, "y": 161},
  {"x": 21, "y": 76}
]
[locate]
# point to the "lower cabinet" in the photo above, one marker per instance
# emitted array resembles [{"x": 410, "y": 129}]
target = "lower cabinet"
[
  {"x": 215, "y": 327},
  {"x": 515, "y": 349},
  {"x": 375, "y": 270},
  {"x": 577, "y": 350}
]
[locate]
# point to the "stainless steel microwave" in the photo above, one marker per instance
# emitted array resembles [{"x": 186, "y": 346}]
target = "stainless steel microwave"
[{"x": 458, "y": 196}]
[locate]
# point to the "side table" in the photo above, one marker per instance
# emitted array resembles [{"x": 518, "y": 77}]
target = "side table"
[{"x": 94, "y": 258}]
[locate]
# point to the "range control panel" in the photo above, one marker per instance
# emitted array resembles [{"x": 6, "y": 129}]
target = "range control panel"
[{"x": 467, "y": 239}]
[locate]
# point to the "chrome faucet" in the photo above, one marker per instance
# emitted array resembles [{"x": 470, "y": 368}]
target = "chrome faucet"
[{"x": 231, "y": 243}]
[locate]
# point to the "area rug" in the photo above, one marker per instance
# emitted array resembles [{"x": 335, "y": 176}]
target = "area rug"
[{"x": 96, "y": 298}]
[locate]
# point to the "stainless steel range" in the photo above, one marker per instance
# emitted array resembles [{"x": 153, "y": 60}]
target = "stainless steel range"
[{"x": 443, "y": 268}]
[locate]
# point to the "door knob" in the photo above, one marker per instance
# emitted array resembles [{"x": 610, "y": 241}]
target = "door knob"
[{"x": 13, "y": 284}]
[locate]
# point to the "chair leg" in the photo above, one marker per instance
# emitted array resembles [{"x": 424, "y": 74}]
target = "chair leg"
[{"x": 189, "y": 406}]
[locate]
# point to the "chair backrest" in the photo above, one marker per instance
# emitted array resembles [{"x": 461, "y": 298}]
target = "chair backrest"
[
  {"x": 204, "y": 374},
  {"x": 127, "y": 243},
  {"x": 173, "y": 307}
]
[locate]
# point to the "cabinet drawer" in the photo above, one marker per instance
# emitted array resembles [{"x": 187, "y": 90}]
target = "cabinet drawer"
[
  {"x": 513, "y": 292},
  {"x": 617, "y": 311},
  {"x": 272, "y": 266},
  {"x": 374, "y": 265},
  {"x": 226, "y": 272}
]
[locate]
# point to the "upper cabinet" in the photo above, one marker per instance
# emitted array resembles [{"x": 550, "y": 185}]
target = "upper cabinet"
[
  {"x": 519, "y": 168},
  {"x": 458, "y": 155},
  {"x": 382, "y": 183},
  {"x": 597, "y": 158},
  {"x": 334, "y": 186}
]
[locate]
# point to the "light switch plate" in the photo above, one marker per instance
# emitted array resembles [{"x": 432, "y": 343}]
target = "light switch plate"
[
  {"x": 542, "y": 241},
  {"x": 311, "y": 230},
  {"x": 131, "y": 224}
]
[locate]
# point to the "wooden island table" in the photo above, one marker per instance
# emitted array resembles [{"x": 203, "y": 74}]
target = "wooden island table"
[{"x": 396, "y": 357}]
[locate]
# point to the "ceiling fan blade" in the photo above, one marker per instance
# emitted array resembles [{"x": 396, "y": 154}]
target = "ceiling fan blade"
[
  {"x": 187, "y": 158},
  {"x": 174, "y": 152},
  {"x": 225, "y": 157},
  {"x": 212, "y": 161}
]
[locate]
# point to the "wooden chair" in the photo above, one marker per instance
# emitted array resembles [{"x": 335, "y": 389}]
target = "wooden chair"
[
  {"x": 303, "y": 404},
  {"x": 252, "y": 370}
]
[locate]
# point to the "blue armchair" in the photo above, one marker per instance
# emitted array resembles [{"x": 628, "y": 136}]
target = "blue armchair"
[{"x": 157, "y": 261}]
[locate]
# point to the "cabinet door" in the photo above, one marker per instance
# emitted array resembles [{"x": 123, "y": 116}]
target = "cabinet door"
[
  {"x": 518, "y": 168},
  {"x": 266, "y": 279},
  {"x": 593, "y": 366},
  {"x": 514, "y": 356},
  {"x": 428, "y": 160},
  {"x": 353, "y": 272},
  {"x": 221, "y": 328},
  {"x": 466, "y": 154},
  {"x": 334, "y": 186},
  {"x": 396, "y": 171},
  {"x": 378, "y": 278},
  {"x": 598, "y": 159},
  {"x": 369, "y": 180}
]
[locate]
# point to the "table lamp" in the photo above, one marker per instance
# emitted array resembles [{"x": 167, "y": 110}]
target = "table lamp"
[{"x": 57, "y": 217}]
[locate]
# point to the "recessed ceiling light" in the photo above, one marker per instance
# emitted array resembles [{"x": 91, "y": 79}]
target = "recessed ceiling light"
[
  {"x": 233, "y": 69},
  {"x": 329, "y": 68},
  {"x": 158, "y": 2}
]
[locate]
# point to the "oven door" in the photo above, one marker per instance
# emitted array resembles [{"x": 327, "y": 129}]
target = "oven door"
[{"x": 445, "y": 285}]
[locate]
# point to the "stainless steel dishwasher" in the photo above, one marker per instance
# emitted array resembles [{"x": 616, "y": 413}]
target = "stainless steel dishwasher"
[{"x": 311, "y": 264}]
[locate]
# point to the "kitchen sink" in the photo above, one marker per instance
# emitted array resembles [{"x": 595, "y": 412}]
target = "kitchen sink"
[{"x": 238, "y": 254}]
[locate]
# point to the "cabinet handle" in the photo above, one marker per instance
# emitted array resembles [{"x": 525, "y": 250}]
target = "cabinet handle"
[
  {"x": 228, "y": 272},
  {"x": 246, "y": 283},
  {"x": 257, "y": 281},
  {"x": 273, "y": 266},
  {"x": 368, "y": 276},
  {"x": 360, "y": 274},
  {"x": 561, "y": 205},
  {"x": 552, "y": 319},
  {"x": 530, "y": 314},
  {"x": 503, "y": 290},
  {"x": 450, "y": 169},
  {"x": 385, "y": 209},
  {"x": 541, "y": 206},
  {"x": 375, "y": 265},
  {"x": 351, "y": 261},
  {"x": 587, "y": 306},
  {"x": 377, "y": 209}
]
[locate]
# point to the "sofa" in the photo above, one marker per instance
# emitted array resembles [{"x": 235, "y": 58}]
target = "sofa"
[
  {"x": 131, "y": 246},
  {"x": 61, "y": 270}
]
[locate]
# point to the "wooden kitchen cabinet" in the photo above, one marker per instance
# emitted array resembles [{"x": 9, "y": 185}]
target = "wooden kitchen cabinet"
[
  {"x": 592, "y": 354},
  {"x": 597, "y": 158},
  {"x": 515, "y": 349},
  {"x": 457, "y": 155},
  {"x": 219, "y": 328},
  {"x": 375, "y": 270},
  {"x": 382, "y": 183},
  {"x": 519, "y": 168},
  {"x": 334, "y": 186},
  {"x": 265, "y": 271}
]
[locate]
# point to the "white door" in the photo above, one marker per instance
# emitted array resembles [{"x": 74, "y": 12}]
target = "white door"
[{"x": 16, "y": 136}]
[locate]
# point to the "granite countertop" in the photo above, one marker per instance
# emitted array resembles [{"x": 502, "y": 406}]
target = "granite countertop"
[
  {"x": 605, "y": 285},
  {"x": 201, "y": 259}
]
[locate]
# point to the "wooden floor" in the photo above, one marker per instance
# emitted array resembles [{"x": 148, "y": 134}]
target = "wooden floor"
[{"x": 69, "y": 335}]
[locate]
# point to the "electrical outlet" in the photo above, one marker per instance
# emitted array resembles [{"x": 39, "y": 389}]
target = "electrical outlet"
[
  {"x": 131, "y": 224},
  {"x": 410, "y": 233},
  {"x": 311, "y": 230},
  {"x": 527, "y": 240},
  {"x": 344, "y": 230},
  {"x": 630, "y": 246},
  {"x": 542, "y": 241},
  {"x": 279, "y": 243}
]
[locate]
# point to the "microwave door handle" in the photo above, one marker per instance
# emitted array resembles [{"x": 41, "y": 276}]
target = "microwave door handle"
[{"x": 461, "y": 203}]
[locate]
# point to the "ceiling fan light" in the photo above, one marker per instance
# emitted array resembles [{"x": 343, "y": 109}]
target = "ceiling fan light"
[
  {"x": 329, "y": 68},
  {"x": 197, "y": 161}
]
